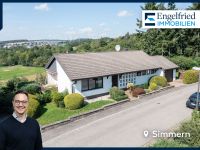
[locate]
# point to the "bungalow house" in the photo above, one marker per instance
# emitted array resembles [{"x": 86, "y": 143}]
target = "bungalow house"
[{"x": 92, "y": 74}]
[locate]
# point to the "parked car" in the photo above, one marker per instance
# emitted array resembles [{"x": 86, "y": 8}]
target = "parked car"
[{"x": 191, "y": 102}]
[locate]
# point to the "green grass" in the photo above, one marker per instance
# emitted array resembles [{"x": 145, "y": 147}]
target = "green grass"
[
  {"x": 168, "y": 143},
  {"x": 10, "y": 72},
  {"x": 51, "y": 113}
]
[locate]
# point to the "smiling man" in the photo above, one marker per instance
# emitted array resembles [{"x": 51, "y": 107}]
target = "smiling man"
[{"x": 19, "y": 132}]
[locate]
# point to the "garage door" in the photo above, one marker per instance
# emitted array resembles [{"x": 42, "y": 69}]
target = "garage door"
[{"x": 169, "y": 75}]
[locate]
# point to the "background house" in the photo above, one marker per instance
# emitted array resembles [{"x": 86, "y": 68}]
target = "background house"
[{"x": 92, "y": 74}]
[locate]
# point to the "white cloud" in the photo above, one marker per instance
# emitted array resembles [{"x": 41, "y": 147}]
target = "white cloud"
[
  {"x": 60, "y": 26},
  {"x": 124, "y": 13},
  {"x": 22, "y": 28},
  {"x": 102, "y": 24},
  {"x": 86, "y": 30},
  {"x": 43, "y": 7},
  {"x": 72, "y": 32},
  {"x": 107, "y": 29}
]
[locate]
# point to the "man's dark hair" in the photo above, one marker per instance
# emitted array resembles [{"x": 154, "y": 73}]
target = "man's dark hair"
[{"x": 21, "y": 92}]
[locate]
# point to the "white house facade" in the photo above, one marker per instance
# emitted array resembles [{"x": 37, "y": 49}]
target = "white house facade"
[{"x": 67, "y": 71}]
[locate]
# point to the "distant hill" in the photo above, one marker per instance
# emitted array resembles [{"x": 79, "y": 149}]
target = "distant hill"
[{"x": 13, "y": 41}]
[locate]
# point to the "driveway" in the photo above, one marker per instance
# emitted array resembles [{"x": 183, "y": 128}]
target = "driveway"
[
  {"x": 123, "y": 126},
  {"x": 177, "y": 83}
]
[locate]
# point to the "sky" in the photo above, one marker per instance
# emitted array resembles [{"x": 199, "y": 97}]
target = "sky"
[{"x": 68, "y": 21}]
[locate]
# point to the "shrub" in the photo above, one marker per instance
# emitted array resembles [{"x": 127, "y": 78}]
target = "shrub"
[
  {"x": 65, "y": 92},
  {"x": 40, "y": 78},
  {"x": 23, "y": 84},
  {"x": 44, "y": 98},
  {"x": 190, "y": 76},
  {"x": 153, "y": 86},
  {"x": 196, "y": 115},
  {"x": 51, "y": 88},
  {"x": 4, "y": 90},
  {"x": 192, "y": 127},
  {"x": 168, "y": 143},
  {"x": 12, "y": 84},
  {"x": 138, "y": 91},
  {"x": 61, "y": 104},
  {"x": 115, "y": 92},
  {"x": 74, "y": 101},
  {"x": 159, "y": 80},
  {"x": 197, "y": 59},
  {"x": 123, "y": 97},
  {"x": 32, "y": 88},
  {"x": 144, "y": 86},
  {"x": 33, "y": 107},
  {"x": 58, "y": 97},
  {"x": 130, "y": 86}
]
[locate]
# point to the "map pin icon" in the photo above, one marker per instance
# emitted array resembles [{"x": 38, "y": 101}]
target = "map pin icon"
[{"x": 146, "y": 133}]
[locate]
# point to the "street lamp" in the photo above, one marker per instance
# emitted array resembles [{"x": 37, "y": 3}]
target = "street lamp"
[{"x": 198, "y": 69}]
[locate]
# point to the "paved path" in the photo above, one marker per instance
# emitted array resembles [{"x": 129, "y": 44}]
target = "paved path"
[{"x": 123, "y": 126}]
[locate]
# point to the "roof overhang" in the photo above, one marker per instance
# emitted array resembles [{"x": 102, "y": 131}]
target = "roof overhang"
[{"x": 51, "y": 60}]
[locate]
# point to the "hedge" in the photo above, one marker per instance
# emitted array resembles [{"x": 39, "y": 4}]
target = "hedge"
[
  {"x": 159, "y": 80},
  {"x": 44, "y": 98},
  {"x": 115, "y": 93},
  {"x": 33, "y": 107},
  {"x": 32, "y": 88},
  {"x": 153, "y": 86},
  {"x": 56, "y": 97},
  {"x": 13, "y": 84},
  {"x": 144, "y": 86},
  {"x": 190, "y": 76},
  {"x": 74, "y": 101}
]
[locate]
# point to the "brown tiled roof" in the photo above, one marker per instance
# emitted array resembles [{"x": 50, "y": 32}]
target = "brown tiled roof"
[
  {"x": 164, "y": 62},
  {"x": 87, "y": 65}
]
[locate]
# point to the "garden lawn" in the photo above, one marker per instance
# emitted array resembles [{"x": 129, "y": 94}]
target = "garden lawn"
[
  {"x": 10, "y": 72},
  {"x": 51, "y": 113}
]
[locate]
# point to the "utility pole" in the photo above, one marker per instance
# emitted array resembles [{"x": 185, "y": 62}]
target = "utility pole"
[
  {"x": 198, "y": 46},
  {"x": 181, "y": 45},
  {"x": 197, "y": 102}
]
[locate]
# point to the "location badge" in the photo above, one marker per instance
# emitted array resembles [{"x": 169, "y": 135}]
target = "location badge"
[{"x": 146, "y": 133}]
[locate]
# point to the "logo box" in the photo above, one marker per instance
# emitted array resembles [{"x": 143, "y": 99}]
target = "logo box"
[
  {"x": 170, "y": 19},
  {"x": 1, "y": 16}
]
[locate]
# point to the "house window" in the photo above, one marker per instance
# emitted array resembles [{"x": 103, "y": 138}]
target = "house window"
[
  {"x": 148, "y": 72},
  {"x": 125, "y": 79},
  {"x": 91, "y": 84},
  {"x": 153, "y": 71},
  {"x": 138, "y": 73},
  {"x": 144, "y": 72},
  {"x": 84, "y": 85},
  {"x": 99, "y": 83}
]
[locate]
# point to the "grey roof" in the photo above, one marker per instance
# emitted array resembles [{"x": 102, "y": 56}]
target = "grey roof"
[
  {"x": 164, "y": 62},
  {"x": 87, "y": 65}
]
